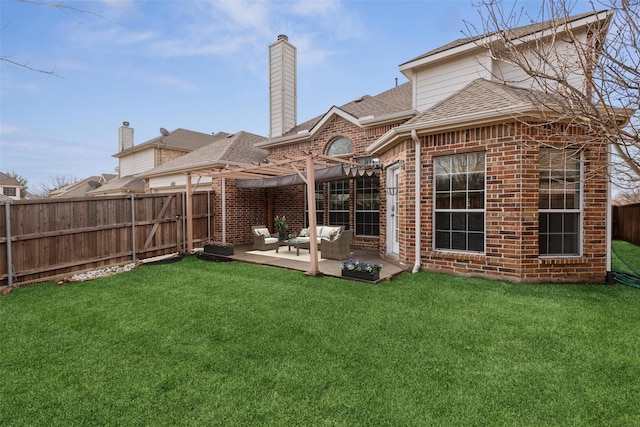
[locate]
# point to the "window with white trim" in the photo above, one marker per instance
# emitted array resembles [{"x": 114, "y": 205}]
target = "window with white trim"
[
  {"x": 339, "y": 203},
  {"x": 340, "y": 146},
  {"x": 367, "y": 221},
  {"x": 459, "y": 222},
  {"x": 559, "y": 215},
  {"x": 9, "y": 191},
  {"x": 319, "y": 205}
]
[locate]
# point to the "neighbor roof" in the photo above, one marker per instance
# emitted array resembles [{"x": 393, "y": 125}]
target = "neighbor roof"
[
  {"x": 6, "y": 180},
  {"x": 234, "y": 148},
  {"x": 82, "y": 187},
  {"x": 127, "y": 184},
  {"x": 179, "y": 139}
]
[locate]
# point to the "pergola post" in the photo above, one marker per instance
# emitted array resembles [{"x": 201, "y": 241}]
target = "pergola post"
[{"x": 311, "y": 202}]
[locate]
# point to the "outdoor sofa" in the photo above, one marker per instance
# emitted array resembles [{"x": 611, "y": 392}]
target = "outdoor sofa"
[{"x": 334, "y": 242}]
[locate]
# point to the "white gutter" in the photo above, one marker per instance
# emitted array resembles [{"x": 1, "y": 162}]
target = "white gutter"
[
  {"x": 370, "y": 121},
  {"x": 416, "y": 266}
]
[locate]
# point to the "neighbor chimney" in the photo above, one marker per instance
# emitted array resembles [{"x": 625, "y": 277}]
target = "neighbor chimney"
[
  {"x": 282, "y": 87},
  {"x": 125, "y": 136}
]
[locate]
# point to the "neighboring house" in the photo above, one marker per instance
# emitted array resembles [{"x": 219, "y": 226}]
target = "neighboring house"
[
  {"x": 237, "y": 148},
  {"x": 136, "y": 159},
  {"x": 9, "y": 188},
  {"x": 83, "y": 187}
]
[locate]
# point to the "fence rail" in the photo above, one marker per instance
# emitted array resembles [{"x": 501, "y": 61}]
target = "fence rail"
[
  {"x": 46, "y": 239},
  {"x": 626, "y": 223}
]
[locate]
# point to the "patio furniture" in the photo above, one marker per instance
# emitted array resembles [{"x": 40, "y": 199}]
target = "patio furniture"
[
  {"x": 262, "y": 239},
  {"x": 323, "y": 233},
  {"x": 296, "y": 243},
  {"x": 338, "y": 248}
]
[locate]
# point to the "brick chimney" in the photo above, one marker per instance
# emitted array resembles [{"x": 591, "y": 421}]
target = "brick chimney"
[
  {"x": 282, "y": 87},
  {"x": 125, "y": 136}
]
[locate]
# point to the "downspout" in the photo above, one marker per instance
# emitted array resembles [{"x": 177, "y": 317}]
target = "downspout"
[
  {"x": 224, "y": 209},
  {"x": 609, "y": 218},
  {"x": 416, "y": 266}
]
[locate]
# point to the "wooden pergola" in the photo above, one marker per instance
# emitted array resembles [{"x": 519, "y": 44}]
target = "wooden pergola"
[{"x": 295, "y": 170}]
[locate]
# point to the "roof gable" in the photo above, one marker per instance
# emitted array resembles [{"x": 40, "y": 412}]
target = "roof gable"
[
  {"x": 525, "y": 32},
  {"x": 365, "y": 111}
]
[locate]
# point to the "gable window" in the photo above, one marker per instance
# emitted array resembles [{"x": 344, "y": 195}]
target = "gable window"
[
  {"x": 367, "y": 207},
  {"x": 339, "y": 203},
  {"x": 559, "y": 206},
  {"x": 460, "y": 202},
  {"x": 9, "y": 191},
  {"x": 340, "y": 146}
]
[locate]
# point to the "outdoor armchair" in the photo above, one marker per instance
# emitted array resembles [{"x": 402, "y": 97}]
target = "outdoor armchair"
[
  {"x": 262, "y": 239},
  {"x": 340, "y": 248}
]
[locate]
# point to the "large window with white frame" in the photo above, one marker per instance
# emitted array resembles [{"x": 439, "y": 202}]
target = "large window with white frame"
[
  {"x": 559, "y": 214},
  {"x": 459, "y": 222},
  {"x": 319, "y": 196},
  {"x": 367, "y": 207},
  {"x": 339, "y": 203}
]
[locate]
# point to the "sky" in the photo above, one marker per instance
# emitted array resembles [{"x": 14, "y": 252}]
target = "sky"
[{"x": 194, "y": 64}]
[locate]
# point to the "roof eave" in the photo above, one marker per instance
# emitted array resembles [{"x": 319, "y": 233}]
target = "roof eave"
[
  {"x": 368, "y": 122},
  {"x": 393, "y": 136}
]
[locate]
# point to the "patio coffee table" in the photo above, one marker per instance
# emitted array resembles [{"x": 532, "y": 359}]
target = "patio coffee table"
[{"x": 296, "y": 243}]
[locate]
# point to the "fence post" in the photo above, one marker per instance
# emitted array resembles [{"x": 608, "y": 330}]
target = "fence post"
[
  {"x": 7, "y": 210},
  {"x": 184, "y": 226},
  {"x": 133, "y": 228}
]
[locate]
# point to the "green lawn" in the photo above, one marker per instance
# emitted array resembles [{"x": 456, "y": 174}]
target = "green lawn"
[{"x": 201, "y": 343}]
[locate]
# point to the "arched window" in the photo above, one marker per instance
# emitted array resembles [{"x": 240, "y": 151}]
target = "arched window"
[{"x": 340, "y": 146}]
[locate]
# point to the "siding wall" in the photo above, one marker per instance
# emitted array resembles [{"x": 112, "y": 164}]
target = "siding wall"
[{"x": 139, "y": 162}]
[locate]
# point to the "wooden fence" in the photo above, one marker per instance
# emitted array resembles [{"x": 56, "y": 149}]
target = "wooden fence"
[
  {"x": 626, "y": 223},
  {"x": 51, "y": 238}
]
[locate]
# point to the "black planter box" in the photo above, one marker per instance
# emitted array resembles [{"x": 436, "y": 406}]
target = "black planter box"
[
  {"x": 362, "y": 275},
  {"x": 218, "y": 250}
]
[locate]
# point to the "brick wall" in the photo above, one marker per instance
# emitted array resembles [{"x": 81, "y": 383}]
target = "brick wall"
[{"x": 511, "y": 157}]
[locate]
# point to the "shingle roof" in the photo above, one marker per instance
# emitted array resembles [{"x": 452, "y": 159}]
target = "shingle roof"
[
  {"x": 179, "y": 139},
  {"x": 6, "y": 180},
  {"x": 479, "y": 96},
  {"x": 235, "y": 148},
  {"x": 130, "y": 184},
  {"x": 513, "y": 33},
  {"x": 391, "y": 101}
]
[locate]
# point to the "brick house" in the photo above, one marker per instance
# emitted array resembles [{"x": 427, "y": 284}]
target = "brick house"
[{"x": 475, "y": 177}]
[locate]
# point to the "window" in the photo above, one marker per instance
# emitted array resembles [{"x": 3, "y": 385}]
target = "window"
[
  {"x": 459, "y": 213},
  {"x": 368, "y": 207},
  {"x": 340, "y": 146},
  {"x": 9, "y": 191},
  {"x": 559, "y": 206},
  {"x": 339, "y": 203},
  {"x": 319, "y": 205}
]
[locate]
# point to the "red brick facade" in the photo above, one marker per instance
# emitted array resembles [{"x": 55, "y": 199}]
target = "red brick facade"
[{"x": 511, "y": 209}]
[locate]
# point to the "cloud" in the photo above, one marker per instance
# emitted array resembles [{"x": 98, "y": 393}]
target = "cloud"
[
  {"x": 8, "y": 128},
  {"x": 177, "y": 83}
]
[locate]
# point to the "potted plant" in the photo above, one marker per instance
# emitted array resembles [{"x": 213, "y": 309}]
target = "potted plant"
[
  {"x": 218, "y": 248},
  {"x": 360, "y": 270},
  {"x": 280, "y": 222}
]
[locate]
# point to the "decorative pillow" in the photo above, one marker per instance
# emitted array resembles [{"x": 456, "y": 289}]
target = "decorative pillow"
[
  {"x": 304, "y": 232},
  {"x": 262, "y": 232},
  {"x": 333, "y": 235}
]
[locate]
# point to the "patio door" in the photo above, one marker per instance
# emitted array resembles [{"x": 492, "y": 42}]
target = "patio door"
[{"x": 393, "y": 219}]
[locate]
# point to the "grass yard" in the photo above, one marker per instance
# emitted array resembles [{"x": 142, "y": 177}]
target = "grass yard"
[{"x": 201, "y": 343}]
